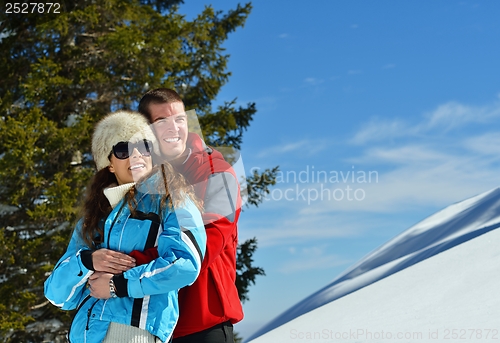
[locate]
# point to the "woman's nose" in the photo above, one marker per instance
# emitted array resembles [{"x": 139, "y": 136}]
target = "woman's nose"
[{"x": 135, "y": 153}]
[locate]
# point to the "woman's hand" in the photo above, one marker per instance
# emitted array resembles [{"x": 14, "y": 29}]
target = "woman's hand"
[
  {"x": 110, "y": 261},
  {"x": 99, "y": 285}
]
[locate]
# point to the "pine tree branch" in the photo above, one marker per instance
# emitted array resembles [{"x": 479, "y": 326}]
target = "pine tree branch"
[{"x": 36, "y": 307}]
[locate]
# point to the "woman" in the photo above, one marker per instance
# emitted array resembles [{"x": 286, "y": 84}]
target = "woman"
[{"x": 119, "y": 303}]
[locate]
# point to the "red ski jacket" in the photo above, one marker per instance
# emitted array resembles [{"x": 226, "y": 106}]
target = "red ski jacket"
[{"x": 213, "y": 298}]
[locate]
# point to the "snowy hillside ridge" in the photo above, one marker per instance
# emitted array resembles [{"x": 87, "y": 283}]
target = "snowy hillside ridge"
[
  {"x": 443, "y": 230},
  {"x": 451, "y": 297}
]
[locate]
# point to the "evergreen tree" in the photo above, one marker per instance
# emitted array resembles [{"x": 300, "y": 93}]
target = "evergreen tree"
[{"x": 61, "y": 72}]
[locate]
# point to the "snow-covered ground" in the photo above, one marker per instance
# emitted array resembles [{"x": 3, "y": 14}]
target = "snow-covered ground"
[{"x": 437, "y": 281}]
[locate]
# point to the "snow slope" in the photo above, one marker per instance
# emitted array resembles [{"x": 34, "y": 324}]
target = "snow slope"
[{"x": 397, "y": 297}]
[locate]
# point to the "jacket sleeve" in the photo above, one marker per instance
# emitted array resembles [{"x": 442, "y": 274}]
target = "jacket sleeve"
[
  {"x": 181, "y": 248},
  {"x": 66, "y": 285},
  {"x": 222, "y": 208}
]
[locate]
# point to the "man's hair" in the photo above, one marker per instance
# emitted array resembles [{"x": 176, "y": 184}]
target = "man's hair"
[{"x": 157, "y": 96}]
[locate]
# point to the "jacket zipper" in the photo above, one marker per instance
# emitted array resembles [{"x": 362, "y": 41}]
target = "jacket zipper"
[
  {"x": 89, "y": 312},
  {"x": 78, "y": 309}
]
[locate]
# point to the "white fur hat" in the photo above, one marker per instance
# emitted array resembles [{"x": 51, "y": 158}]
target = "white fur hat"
[{"x": 120, "y": 126}]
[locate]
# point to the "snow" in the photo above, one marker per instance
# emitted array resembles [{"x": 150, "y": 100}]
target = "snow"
[
  {"x": 7, "y": 209},
  {"x": 434, "y": 282}
]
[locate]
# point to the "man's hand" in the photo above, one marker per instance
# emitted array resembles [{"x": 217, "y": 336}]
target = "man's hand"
[
  {"x": 99, "y": 285},
  {"x": 109, "y": 261}
]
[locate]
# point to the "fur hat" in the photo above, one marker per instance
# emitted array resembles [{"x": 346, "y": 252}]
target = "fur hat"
[{"x": 120, "y": 126}]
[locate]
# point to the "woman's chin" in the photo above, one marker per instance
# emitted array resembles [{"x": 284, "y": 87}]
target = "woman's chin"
[{"x": 139, "y": 174}]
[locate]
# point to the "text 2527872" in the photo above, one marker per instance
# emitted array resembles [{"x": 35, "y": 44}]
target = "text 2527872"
[{"x": 32, "y": 7}]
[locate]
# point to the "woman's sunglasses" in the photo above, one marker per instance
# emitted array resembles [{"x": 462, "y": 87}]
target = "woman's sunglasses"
[{"x": 123, "y": 150}]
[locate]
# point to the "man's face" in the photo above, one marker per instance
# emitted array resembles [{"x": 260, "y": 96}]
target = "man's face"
[{"x": 171, "y": 129}]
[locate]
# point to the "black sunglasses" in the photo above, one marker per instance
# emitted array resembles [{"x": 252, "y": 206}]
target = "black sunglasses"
[{"x": 123, "y": 150}]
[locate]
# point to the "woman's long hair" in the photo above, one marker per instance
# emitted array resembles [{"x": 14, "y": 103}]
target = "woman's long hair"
[
  {"x": 96, "y": 206},
  {"x": 169, "y": 185}
]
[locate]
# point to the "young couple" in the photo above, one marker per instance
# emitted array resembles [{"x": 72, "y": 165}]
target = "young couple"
[{"x": 143, "y": 260}]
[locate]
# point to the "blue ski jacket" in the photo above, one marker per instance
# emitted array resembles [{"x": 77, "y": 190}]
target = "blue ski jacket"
[{"x": 150, "y": 302}]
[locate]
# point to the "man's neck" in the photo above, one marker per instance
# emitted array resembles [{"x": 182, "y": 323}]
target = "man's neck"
[{"x": 179, "y": 161}]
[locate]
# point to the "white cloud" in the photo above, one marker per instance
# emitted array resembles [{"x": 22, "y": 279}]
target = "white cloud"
[
  {"x": 444, "y": 118},
  {"x": 389, "y": 66},
  {"x": 486, "y": 144},
  {"x": 354, "y": 72},
  {"x": 283, "y": 35},
  {"x": 305, "y": 147},
  {"x": 390, "y": 180},
  {"x": 409, "y": 154},
  {"x": 407, "y": 189},
  {"x": 421, "y": 165},
  {"x": 382, "y": 130},
  {"x": 452, "y": 115},
  {"x": 313, "y": 81},
  {"x": 425, "y": 165},
  {"x": 281, "y": 149},
  {"x": 435, "y": 174}
]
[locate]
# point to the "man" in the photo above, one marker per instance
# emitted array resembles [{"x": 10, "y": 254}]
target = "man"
[{"x": 210, "y": 306}]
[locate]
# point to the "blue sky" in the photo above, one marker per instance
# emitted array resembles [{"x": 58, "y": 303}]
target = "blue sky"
[{"x": 408, "y": 91}]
